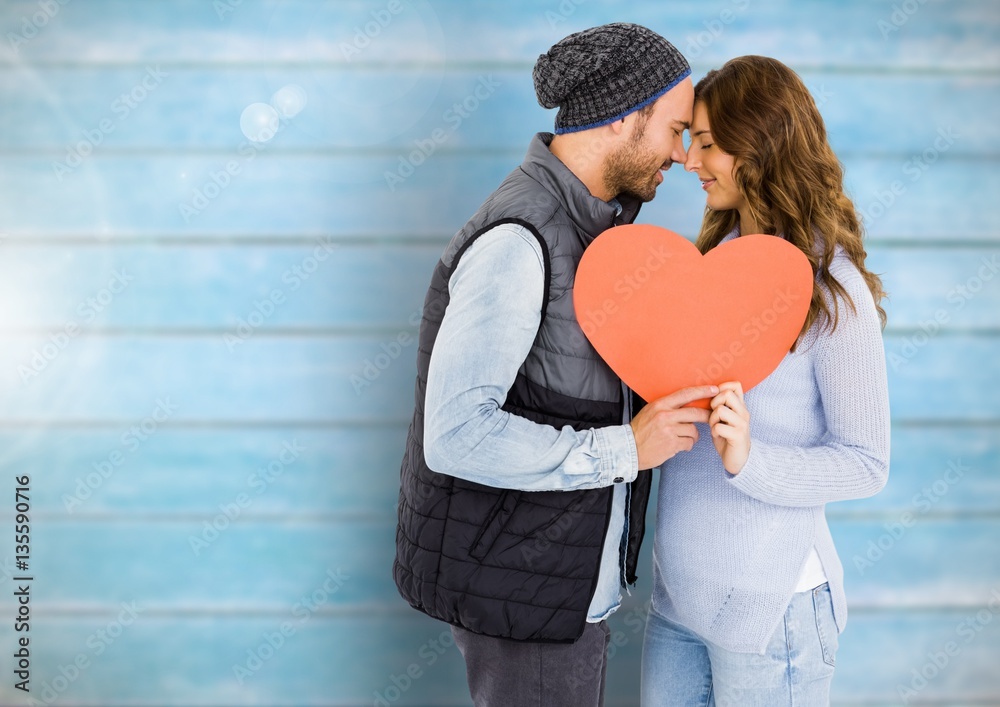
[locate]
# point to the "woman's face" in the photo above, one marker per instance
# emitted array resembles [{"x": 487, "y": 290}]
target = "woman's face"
[{"x": 713, "y": 166}]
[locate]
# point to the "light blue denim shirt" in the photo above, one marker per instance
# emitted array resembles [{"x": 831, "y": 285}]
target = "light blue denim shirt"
[{"x": 490, "y": 324}]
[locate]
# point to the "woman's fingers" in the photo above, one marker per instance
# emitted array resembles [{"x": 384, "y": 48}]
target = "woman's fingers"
[
  {"x": 726, "y": 432},
  {"x": 731, "y": 399},
  {"x": 734, "y": 386},
  {"x": 730, "y": 422},
  {"x": 727, "y": 416}
]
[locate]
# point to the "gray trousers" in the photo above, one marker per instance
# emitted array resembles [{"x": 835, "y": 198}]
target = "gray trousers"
[{"x": 505, "y": 673}]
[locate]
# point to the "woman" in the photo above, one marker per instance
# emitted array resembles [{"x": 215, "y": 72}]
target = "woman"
[{"x": 748, "y": 596}]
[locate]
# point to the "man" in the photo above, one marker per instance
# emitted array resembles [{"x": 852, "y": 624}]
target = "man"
[{"x": 522, "y": 505}]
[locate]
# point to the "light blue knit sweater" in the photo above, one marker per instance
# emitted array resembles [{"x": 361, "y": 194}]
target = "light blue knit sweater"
[{"x": 729, "y": 549}]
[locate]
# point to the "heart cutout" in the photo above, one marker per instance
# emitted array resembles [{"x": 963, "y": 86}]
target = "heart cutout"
[{"x": 666, "y": 317}]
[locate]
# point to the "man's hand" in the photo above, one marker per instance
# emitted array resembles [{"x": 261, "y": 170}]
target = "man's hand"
[{"x": 665, "y": 427}]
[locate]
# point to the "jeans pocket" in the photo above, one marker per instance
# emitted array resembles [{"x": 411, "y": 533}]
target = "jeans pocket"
[{"x": 826, "y": 624}]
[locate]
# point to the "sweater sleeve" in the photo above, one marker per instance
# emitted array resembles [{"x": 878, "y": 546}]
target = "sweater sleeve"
[{"x": 852, "y": 458}]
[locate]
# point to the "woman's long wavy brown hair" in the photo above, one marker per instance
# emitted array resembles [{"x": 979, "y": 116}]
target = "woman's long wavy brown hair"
[{"x": 761, "y": 113}]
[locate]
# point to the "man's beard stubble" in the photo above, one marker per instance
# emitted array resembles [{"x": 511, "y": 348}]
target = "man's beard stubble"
[{"x": 631, "y": 170}]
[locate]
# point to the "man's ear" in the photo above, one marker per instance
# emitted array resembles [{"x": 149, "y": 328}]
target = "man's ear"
[{"x": 618, "y": 127}]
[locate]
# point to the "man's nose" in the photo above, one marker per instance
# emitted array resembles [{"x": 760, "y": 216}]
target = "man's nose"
[{"x": 680, "y": 155}]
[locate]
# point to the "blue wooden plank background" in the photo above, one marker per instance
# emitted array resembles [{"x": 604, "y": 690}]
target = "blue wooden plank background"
[{"x": 207, "y": 343}]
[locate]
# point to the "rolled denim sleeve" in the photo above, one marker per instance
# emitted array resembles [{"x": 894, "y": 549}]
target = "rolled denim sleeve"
[{"x": 490, "y": 324}]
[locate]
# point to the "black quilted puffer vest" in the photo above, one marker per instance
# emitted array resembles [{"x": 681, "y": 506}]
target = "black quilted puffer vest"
[{"x": 508, "y": 563}]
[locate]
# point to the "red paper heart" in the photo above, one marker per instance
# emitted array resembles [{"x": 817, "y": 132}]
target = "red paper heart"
[{"x": 665, "y": 317}]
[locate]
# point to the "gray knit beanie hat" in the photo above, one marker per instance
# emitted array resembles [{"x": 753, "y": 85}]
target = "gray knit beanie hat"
[{"x": 602, "y": 74}]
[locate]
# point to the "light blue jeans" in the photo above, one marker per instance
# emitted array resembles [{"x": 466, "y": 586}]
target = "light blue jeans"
[{"x": 683, "y": 670}]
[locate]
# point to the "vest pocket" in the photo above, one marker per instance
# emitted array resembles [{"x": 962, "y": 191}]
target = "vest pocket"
[{"x": 495, "y": 521}]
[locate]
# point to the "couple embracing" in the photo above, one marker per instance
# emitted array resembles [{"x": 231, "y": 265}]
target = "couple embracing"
[{"x": 528, "y": 464}]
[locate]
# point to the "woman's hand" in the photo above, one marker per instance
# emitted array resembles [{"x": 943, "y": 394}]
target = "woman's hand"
[{"x": 730, "y": 424}]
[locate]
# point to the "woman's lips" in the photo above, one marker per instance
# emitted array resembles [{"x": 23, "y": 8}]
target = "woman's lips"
[{"x": 706, "y": 183}]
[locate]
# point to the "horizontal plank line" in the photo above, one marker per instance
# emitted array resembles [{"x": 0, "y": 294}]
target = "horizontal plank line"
[
  {"x": 267, "y": 151},
  {"x": 959, "y": 423},
  {"x": 335, "y": 702},
  {"x": 273, "y": 241},
  {"x": 296, "y": 518},
  {"x": 349, "y": 332},
  {"x": 232, "y": 424},
  {"x": 416, "y": 64},
  {"x": 217, "y": 332},
  {"x": 307, "y": 152},
  {"x": 975, "y": 332},
  {"x": 419, "y": 65},
  {"x": 987, "y": 701},
  {"x": 140, "y": 517},
  {"x": 943, "y": 243},
  {"x": 328, "y": 702},
  {"x": 893, "y": 514},
  {"x": 196, "y": 424},
  {"x": 42, "y": 609},
  {"x": 381, "y": 240}
]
